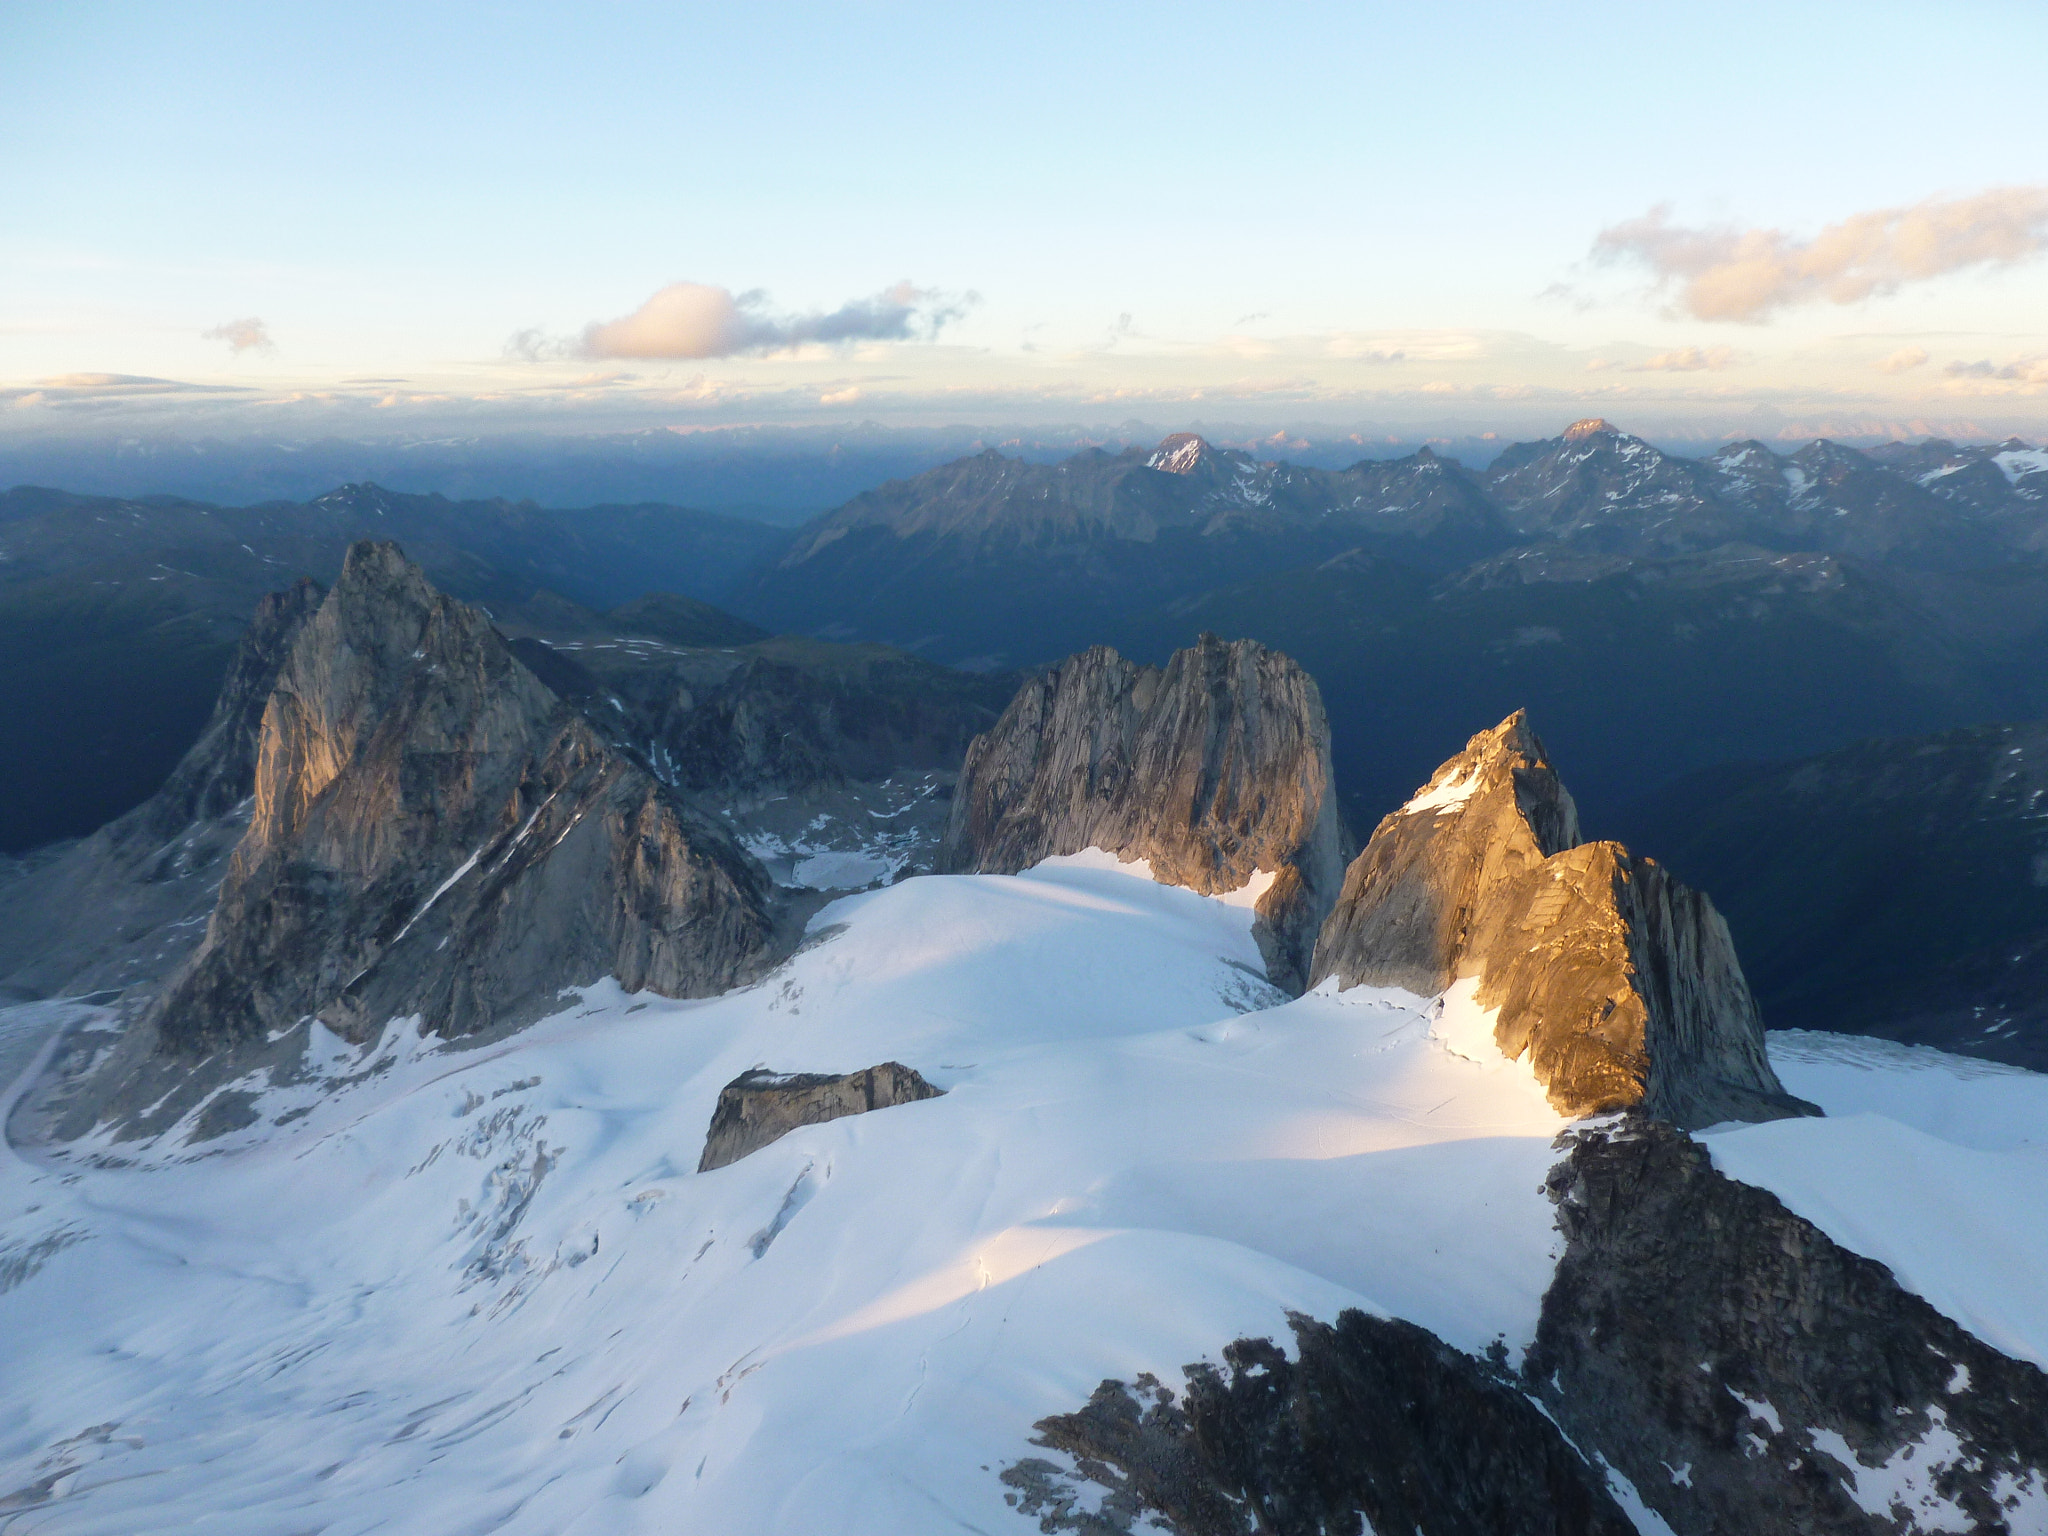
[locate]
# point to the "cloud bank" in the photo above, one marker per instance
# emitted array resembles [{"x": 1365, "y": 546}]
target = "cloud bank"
[
  {"x": 695, "y": 321},
  {"x": 242, "y": 335},
  {"x": 1724, "y": 273}
]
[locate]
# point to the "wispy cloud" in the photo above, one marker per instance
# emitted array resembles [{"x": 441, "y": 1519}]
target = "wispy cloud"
[
  {"x": 695, "y": 321},
  {"x": 1725, "y": 273},
  {"x": 90, "y": 391},
  {"x": 1905, "y": 360},
  {"x": 244, "y": 335},
  {"x": 2023, "y": 370}
]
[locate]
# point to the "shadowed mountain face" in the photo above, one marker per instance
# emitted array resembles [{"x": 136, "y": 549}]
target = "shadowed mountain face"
[
  {"x": 1895, "y": 888},
  {"x": 119, "y": 908},
  {"x": 1642, "y": 671},
  {"x": 1619, "y": 984}
]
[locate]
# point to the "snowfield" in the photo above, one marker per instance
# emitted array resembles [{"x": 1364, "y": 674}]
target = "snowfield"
[{"x": 480, "y": 1289}]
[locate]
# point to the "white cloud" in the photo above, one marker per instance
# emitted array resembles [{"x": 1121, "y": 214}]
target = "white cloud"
[
  {"x": 697, "y": 320},
  {"x": 246, "y": 334},
  {"x": 1725, "y": 273},
  {"x": 2022, "y": 370},
  {"x": 1905, "y": 360}
]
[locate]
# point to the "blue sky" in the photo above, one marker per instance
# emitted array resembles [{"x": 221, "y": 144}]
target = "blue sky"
[{"x": 1280, "y": 213}]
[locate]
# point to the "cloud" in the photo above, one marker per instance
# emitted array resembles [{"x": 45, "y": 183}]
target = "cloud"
[
  {"x": 697, "y": 320},
  {"x": 246, "y": 334},
  {"x": 1724, "y": 273},
  {"x": 2024, "y": 370},
  {"x": 75, "y": 387},
  {"x": 1905, "y": 360}
]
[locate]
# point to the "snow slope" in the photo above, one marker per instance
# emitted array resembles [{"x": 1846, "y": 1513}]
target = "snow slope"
[{"x": 484, "y": 1289}]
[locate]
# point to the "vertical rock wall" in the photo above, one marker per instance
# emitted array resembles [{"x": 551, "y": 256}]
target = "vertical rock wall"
[{"x": 1215, "y": 768}]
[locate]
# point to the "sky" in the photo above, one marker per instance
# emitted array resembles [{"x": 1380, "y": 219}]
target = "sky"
[{"x": 277, "y": 220}]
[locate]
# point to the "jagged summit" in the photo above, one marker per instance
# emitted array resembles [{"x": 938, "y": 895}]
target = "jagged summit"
[
  {"x": 1484, "y": 819},
  {"x": 1215, "y": 768},
  {"x": 1619, "y": 983},
  {"x": 435, "y": 832},
  {"x": 1590, "y": 426}
]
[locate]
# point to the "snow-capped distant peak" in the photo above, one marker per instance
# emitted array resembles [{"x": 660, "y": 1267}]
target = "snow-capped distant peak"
[
  {"x": 1179, "y": 454},
  {"x": 1733, "y": 457},
  {"x": 2017, "y": 463}
]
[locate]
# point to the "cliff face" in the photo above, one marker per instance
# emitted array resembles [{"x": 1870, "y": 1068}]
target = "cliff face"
[
  {"x": 1619, "y": 983},
  {"x": 1214, "y": 768},
  {"x": 435, "y": 832}
]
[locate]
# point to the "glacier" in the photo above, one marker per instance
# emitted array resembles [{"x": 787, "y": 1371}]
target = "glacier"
[{"x": 446, "y": 1288}]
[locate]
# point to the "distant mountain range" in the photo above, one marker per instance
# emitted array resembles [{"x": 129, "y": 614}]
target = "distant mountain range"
[
  {"x": 1661, "y": 615},
  {"x": 1655, "y": 611},
  {"x": 997, "y": 559}
]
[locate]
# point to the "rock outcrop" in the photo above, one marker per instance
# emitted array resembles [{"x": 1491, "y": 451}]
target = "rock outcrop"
[
  {"x": 434, "y": 832},
  {"x": 1373, "y": 1418},
  {"x": 1617, "y": 981},
  {"x": 1751, "y": 1375},
  {"x": 1215, "y": 769},
  {"x": 758, "y": 1107}
]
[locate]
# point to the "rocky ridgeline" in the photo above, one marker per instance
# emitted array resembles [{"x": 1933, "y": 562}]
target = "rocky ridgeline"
[
  {"x": 1215, "y": 769},
  {"x": 1619, "y": 983}
]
